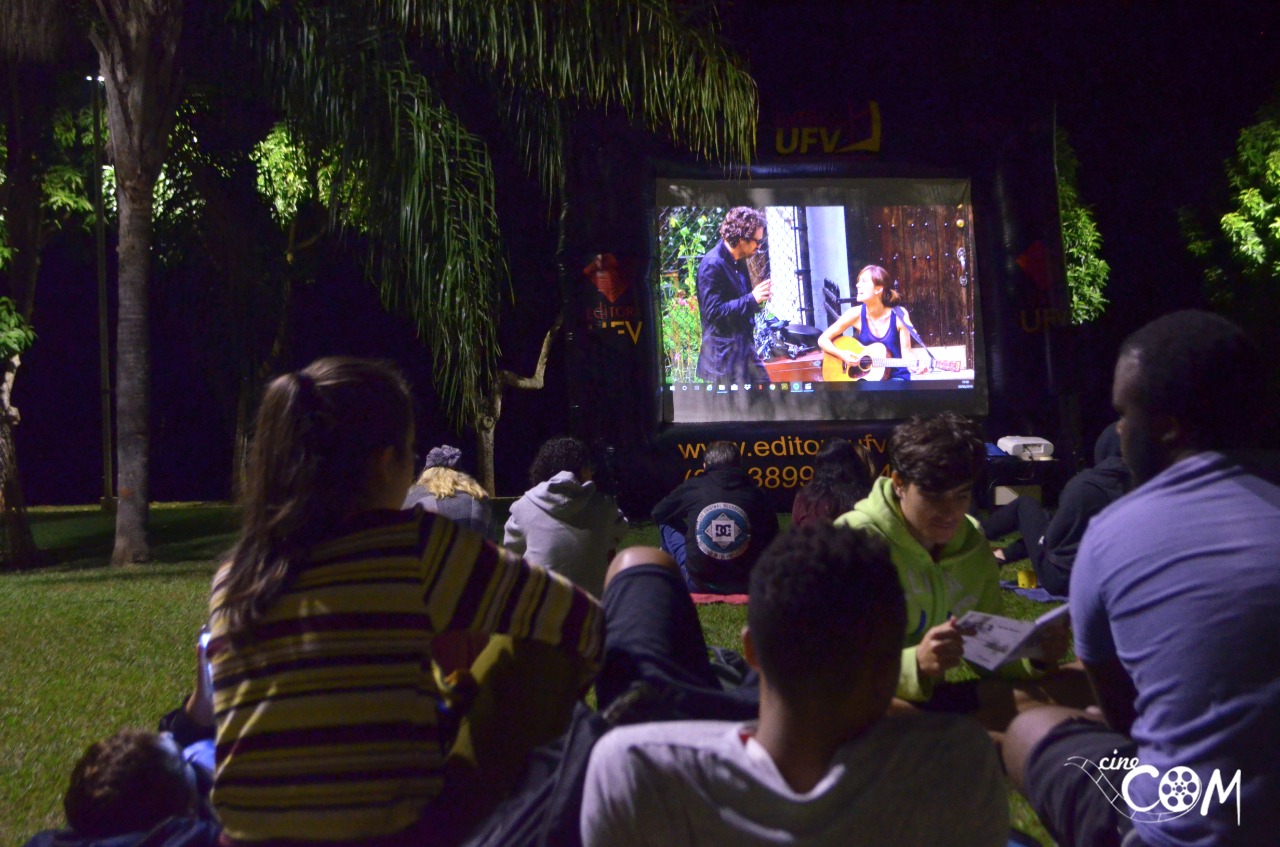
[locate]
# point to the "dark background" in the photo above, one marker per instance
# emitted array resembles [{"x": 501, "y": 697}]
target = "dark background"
[{"x": 1152, "y": 96}]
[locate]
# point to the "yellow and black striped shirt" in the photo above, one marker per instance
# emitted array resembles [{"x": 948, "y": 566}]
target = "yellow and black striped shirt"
[{"x": 327, "y": 719}]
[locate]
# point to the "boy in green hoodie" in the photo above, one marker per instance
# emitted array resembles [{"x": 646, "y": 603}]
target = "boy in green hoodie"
[{"x": 946, "y": 568}]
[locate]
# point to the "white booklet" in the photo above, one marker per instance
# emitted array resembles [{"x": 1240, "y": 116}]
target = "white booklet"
[{"x": 997, "y": 640}]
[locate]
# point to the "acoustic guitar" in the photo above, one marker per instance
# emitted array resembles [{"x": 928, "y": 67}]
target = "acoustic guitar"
[{"x": 872, "y": 361}]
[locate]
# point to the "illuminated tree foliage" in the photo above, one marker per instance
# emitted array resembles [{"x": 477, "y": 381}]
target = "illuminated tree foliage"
[
  {"x": 1087, "y": 271},
  {"x": 1241, "y": 255},
  {"x": 378, "y": 82}
]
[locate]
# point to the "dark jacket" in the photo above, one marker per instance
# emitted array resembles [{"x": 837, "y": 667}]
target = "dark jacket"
[
  {"x": 1085, "y": 495},
  {"x": 727, "y": 310},
  {"x": 726, "y": 520}
]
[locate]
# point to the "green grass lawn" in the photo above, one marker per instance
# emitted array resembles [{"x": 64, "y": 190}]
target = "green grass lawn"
[{"x": 86, "y": 649}]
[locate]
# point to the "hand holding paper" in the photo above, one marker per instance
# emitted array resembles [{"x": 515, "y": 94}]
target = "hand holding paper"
[{"x": 991, "y": 640}]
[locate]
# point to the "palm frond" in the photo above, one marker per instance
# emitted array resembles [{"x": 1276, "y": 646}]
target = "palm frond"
[
  {"x": 422, "y": 186},
  {"x": 644, "y": 56},
  {"x": 413, "y": 177}
]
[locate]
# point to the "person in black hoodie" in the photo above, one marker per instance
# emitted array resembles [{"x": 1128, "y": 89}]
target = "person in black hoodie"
[
  {"x": 1051, "y": 541},
  {"x": 716, "y": 524}
]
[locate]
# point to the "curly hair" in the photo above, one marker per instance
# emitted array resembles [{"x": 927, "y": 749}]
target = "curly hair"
[
  {"x": 741, "y": 222},
  {"x": 825, "y": 603},
  {"x": 842, "y": 474},
  {"x": 559, "y": 454},
  {"x": 127, "y": 783},
  {"x": 938, "y": 452}
]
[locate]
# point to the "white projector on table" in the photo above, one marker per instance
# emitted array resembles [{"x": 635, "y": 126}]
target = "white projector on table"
[{"x": 1027, "y": 447}]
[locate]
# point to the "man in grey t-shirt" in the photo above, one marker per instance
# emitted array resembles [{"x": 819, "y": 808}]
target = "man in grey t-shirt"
[{"x": 824, "y": 765}]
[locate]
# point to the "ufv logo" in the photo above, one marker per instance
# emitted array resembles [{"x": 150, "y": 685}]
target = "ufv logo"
[{"x": 1176, "y": 792}]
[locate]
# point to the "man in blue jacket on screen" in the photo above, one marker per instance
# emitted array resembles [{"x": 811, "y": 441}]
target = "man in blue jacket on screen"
[{"x": 728, "y": 302}]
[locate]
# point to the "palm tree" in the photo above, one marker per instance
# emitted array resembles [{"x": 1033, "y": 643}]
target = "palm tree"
[
  {"x": 137, "y": 43},
  {"x": 381, "y": 81},
  {"x": 372, "y": 79}
]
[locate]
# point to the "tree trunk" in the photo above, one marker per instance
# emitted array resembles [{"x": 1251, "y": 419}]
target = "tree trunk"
[
  {"x": 133, "y": 378},
  {"x": 136, "y": 47},
  {"x": 27, "y": 117},
  {"x": 489, "y": 409},
  {"x": 19, "y": 547}
]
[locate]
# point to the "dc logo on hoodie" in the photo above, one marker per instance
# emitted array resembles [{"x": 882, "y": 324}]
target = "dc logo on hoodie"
[{"x": 723, "y": 531}]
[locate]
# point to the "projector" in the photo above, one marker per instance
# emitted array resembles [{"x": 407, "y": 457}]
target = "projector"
[{"x": 1027, "y": 447}]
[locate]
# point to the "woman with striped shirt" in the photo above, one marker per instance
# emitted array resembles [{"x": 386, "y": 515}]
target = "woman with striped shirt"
[{"x": 326, "y": 704}]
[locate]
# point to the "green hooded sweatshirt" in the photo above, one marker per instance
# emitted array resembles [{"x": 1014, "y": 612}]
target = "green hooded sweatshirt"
[{"x": 965, "y": 577}]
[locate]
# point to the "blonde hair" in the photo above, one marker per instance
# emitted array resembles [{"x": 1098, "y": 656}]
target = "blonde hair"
[{"x": 442, "y": 482}]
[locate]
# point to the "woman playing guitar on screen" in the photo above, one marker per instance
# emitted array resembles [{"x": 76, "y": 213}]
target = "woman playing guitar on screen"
[{"x": 875, "y": 320}]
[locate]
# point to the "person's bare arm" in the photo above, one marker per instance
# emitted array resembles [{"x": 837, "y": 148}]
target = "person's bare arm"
[{"x": 827, "y": 340}]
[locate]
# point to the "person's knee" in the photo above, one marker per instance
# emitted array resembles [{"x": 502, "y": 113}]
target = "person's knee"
[
  {"x": 1026, "y": 731},
  {"x": 633, "y": 557}
]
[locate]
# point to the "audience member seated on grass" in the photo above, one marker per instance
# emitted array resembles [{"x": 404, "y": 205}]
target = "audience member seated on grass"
[
  {"x": 946, "y": 568},
  {"x": 653, "y": 635},
  {"x": 656, "y": 668},
  {"x": 824, "y": 765},
  {"x": 1051, "y": 541},
  {"x": 445, "y": 490},
  {"x": 1175, "y": 596},
  {"x": 842, "y": 476},
  {"x": 563, "y": 522},
  {"x": 129, "y": 790},
  {"x": 327, "y": 724},
  {"x": 716, "y": 524}
]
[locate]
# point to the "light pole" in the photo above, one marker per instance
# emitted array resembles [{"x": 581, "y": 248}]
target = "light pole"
[{"x": 104, "y": 342}]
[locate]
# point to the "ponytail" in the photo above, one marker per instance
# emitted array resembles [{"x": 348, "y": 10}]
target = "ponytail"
[
  {"x": 318, "y": 431},
  {"x": 879, "y": 277}
]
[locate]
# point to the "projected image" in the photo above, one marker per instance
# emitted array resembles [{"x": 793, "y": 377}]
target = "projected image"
[{"x": 850, "y": 290}]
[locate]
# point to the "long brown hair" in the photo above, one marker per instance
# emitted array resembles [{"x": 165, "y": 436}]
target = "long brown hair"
[
  {"x": 880, "y": 279},
  {"x": 318, "y": 431}
]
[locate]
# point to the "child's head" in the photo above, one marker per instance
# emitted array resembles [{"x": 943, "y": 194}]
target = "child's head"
[
  {"x": 826, "y": 618},
  {"x": 331, "y": 440},
  {"x": 129, "y": 782}
]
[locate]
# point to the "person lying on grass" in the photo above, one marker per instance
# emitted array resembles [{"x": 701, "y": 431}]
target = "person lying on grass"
[
  {"x": 824, "y": 765},
  {"x": 946, "y": 568},
  {"x": 129, "y": 790}
]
